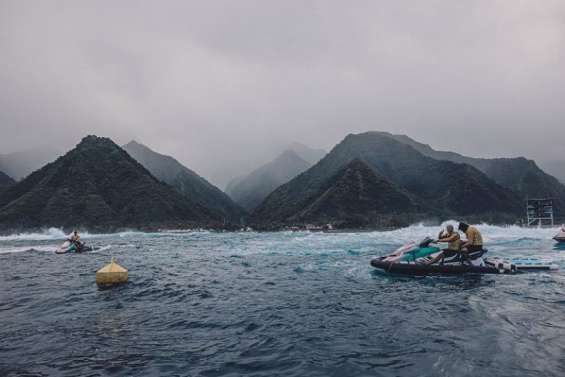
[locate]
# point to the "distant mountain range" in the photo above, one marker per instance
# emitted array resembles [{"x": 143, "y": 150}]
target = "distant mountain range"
[
  {"x": 186, "y": 181},
  {"x": 369, "y": 180},
  {"x": 435, "y": 187},
  {"x": 98, "y": 186},
  {"x": 249, "y": 191},
  {"x": 20, "y": 164},
  {"x": 521, "y": 175}
]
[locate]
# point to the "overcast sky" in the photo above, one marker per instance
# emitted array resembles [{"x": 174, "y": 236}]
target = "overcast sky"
[{"x": 220, "y": 85}]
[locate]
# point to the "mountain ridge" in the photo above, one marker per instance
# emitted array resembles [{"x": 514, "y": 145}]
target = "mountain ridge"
[
  {"x": 250, "y": 190},
  {"x": 358, "y": 196},
  {"x": 97, "y": 186},
  {"x": 445, "y": 187},
  {"x": 519, "y": 174},
  {"x": 185, "y": 181}
]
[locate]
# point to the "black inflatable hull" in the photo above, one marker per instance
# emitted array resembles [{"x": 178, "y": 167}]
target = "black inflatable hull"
[
  {"x": 434, "y": 269},
  {"x": 559, "y": 239}
]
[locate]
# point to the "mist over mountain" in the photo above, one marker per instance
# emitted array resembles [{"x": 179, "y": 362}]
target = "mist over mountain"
[
  {"x": 98, "y": 186},
  {"x": 250, "y": 190},
  {"x": 555, "y": 167},
  {"x": 310, "y": 155},
  {"x": 444, "y": 188},
  {"x": 20, "y": 164},
  {"x": 186, "y": 181},
  {"x": 518, "y": 174}
]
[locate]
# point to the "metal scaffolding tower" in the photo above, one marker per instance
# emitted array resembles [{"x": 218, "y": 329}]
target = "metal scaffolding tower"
[{"x": 539, "y": 212}]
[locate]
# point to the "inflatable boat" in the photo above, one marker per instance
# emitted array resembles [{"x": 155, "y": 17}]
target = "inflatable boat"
[
  {"x": 420, "y": 259},
  {"x": 419, "y": 269}
]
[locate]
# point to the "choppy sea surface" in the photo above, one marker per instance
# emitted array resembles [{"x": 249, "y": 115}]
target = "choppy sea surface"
[{"x": 274, "y": 304}]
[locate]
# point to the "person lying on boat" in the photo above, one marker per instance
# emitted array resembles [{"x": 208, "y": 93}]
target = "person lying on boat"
[
  {"x": 474, "y": 242},
  {"x": 451, "y": 236}
]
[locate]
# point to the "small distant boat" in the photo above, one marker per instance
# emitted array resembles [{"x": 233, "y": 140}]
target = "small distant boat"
[{"x": 560, "y": 237}]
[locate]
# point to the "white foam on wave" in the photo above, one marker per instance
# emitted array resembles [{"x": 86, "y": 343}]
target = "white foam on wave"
[
  {"x": 402, "y": 235},
  {"x": 103, "y": 248},
  {"x": 49, "y": 234},
  {"x": 59, "y": 234},
  {"x": 22, "y": 249},
  {"x": 489, "y": 232}
]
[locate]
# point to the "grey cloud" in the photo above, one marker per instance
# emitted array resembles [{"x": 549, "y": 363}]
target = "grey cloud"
[{"x": 221, "y": 85}]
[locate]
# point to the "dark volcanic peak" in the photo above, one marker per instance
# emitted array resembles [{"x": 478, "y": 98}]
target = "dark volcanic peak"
[
  {"x": 444, "y": 187},
  {"x": 97, "y": 186},
  {"x": 249, "y": 191},
  {"x": 356, "y": 196},
  {"x": 519, "y": 174},
  {"x": 186, "y": 181},
  {"x": 456, "y": 187},
  {"x": 5, "y": 181}
]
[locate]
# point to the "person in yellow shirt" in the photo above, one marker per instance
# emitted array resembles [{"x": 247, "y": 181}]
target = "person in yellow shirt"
[
  {"x": 474, "y": 240},
  {"x": 453, "y": 244}
]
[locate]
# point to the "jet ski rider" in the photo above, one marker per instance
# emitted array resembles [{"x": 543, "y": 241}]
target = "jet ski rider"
[
  {"x": 75, "y": 239},
  {"x": 451, "y": 236},
  {"x": 474, "y": 240}
]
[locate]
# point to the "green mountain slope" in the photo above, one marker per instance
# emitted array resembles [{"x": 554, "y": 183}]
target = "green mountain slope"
[
  {"x": 518, "y": 174},
  {"x": 186, "y": 181},
  {"x": 443, "y": 187},
  {"x": 97, "y": 186}
]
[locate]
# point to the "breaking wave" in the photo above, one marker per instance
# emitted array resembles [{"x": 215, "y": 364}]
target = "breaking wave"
[
  {"x": 413, "y": 232},
  {"x": 58, "y": 234}
]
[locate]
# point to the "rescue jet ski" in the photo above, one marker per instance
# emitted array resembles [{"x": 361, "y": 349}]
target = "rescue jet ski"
[
  {"x": 560, "y": 237},
  {"x": 73, "y": 247},
  {"x": 415, "y": 259}
]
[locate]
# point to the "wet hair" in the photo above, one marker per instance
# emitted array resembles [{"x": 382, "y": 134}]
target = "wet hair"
[{"x": 463, "y": 227}]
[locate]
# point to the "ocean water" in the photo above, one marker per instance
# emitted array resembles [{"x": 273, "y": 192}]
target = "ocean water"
[{"x": 274, "y": 304}]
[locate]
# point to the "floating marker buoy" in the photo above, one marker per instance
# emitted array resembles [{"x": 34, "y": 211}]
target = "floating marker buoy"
[{"x": 111, "y": 274}]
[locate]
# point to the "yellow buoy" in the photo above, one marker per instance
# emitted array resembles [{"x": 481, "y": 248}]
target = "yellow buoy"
[{"x": 111, "y": 274}]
